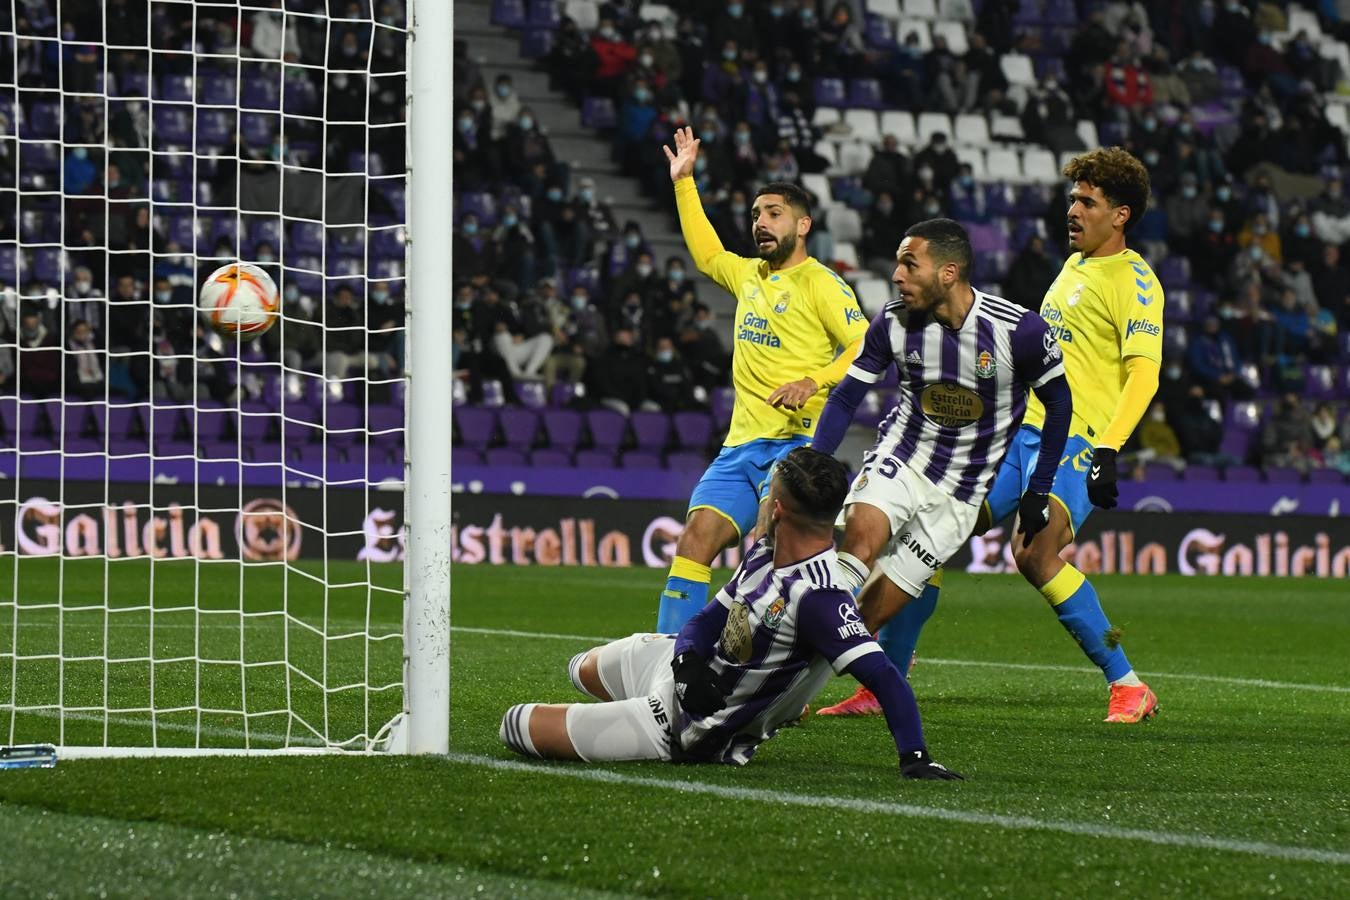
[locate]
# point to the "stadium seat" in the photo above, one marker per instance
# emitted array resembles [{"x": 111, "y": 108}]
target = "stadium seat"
[
  {"x": 844, "y": 223},
  {"x": 973, "y": 157},
  {"x": 1029, "y": 12},
  {"x": 846, "y": 254},
  {"x": 888, "y": 9},
  {"x": 641, "y": 459},
  {"x": 955, "y": 35},
  {"x": 931, "y": 123},
  {"x": 651, "y": 430},
  {"x": 543, "y": 14},
  {"x": 865, "y": 93},
  {"x": 508, "y": 13},
  {"x": 459, "y": 456},
  {"x": 958, "y": 10},
  {"x": 970, "y": 130},
  {"x": 1017, "y": 68},
  {"x": 595, "y": 459},
  {"x": 1326, "y": 477},
  {"x": 477, "y": 425},
  {"x": 826, "y": 118},
  {"x": 1006, "y": 128},
  {"x": 829, "y": 152},
  {"x": 873, "y": 295},
  {"x": 1087, "y": 132},
  {"x": 1283, "y": 475},
  {"x": 1003, "y": 165},
  {"x": 830, "y": 92},
  {"x": 854, "y": 157},
  {"x": 863, "y": 124},
  {"x": 505, "y": 456},
  {"x": 919, "y": 29},
  {"x": 901, "y": 124},
  {"x": 686, "y": 461},
  {"x": 1039, "y": 165},
  {"x": 563, "y": 427},
  {"x": 819, "y": 187},
  {"x": 551, "y": 457},
  {"x": 536, "y": 43},
  {"x": 723, "y": 400},
  {"x": 920, "y": 9},
  {"x": 693, "y": 429},
  {"x": 585, "y": 13},
  {"x": 598, "y": 113},
  {"x": 879, "y": 33}
]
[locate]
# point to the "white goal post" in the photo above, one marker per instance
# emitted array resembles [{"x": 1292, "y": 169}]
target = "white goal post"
[{"x": 209, "y": 548}]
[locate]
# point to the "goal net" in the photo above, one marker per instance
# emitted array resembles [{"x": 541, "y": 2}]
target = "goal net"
[{"x": 202, "y": 541}]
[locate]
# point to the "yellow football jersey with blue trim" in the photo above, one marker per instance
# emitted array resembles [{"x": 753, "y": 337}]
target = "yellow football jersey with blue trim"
[
  {"x": 1102, "y": 310},
  {"x": 789, "y": 323}
]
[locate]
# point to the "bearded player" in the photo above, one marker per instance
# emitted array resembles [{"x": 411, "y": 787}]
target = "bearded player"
[
  {"x": 793, "y": 316},
  {"x": 1106, "y": 310}
]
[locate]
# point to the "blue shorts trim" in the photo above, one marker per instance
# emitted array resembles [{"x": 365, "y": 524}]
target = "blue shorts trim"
[
  {"x": 738, "y": 479},
  {"x": 1070, "y": 487}
]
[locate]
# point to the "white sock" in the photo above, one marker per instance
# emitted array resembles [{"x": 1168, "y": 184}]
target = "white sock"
[
  {"x": 1129, "y": 679},
  {"x": 515, "y": 730},
  {"x": 854, "y": 571}
]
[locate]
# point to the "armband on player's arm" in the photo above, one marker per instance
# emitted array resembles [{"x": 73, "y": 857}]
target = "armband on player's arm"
[
  {"x": 838, "y": 413},
  {"x": 1057, "y": 399},
  {"x": 828, "y": 376},
  {"x": 700, "y": 633},
  {"x": 699, "y": 235},
  {"x": 1141, "y": 383}
]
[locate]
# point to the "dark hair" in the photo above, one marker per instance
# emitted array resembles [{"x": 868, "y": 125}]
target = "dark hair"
[
  {"x": 816, "y": 481},
  {"x": 1122, "y": 178},
  {"x": 947, "y": 243},
  {"x": 796, "y": 197}
]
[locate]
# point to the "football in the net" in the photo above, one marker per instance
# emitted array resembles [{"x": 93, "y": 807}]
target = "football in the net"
[{"x": 239, "y": 301}]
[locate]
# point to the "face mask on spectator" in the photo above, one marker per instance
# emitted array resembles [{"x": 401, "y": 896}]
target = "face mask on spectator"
[
  {"x": 608, "y": 33},
  {"x": 734, "y": 10},
  {"x": 82, "y": 287},
  {"x": 1224, "y": 193},
  {"x": 776, "y": 11},
  {"x": 477, "y": 104},
  {"x": 700, "y": 165},
  {"x": 526, "y": 123},
  {"x": 555, "y": 194},
  {"x": 729, "y": 55},
  {"x": 266, "y": 258},
  {"x": 742, "y": 137},
  {"x": 1254, "y": 251},
  {"x": 885, "y": 207},
  {"x": 925, "y": 173},
  {"x": 794, "y": 75},
  {"x": 1216, "y": 225},
  {"x": 466, "y": 124},
  {"x": 1150, "y": 124},
  {"x": 761, "y": 76},
  {"x": 1302, "y": 229},
  {"x": 631, "y": 241},
  {"x": 1188, "y": 191},
  {"x": 379, "y": 296},
  {"x": 470, "y": 228},
  {"x": 1184, "y": 128},
  {"x": 1151, "y": 158},
  {"x": 79, "y": 153},
  {"x": 163, "y": 296},
  {"x": 644, "y": 270},
  {"x": 646, "y": 61},
  {"x": 808, "y": 15},
  {"x": 931, "y": 209},
  {"x": 579, "y": 301},
  {"x": 1258, "y": 229},
  {"x": 665, "y": 356},
  {"x": 586, "y": 194},
  {"x": 966, "y": 180},
  {"x": 1173, "y": 372},
  {"x": 676, "y": 275},
  {"x": 503, "y": 90},
  {"x": 509, "y": 220},
  {"x": 293, "y": 293},
  {"x": 642, "y": 95}
]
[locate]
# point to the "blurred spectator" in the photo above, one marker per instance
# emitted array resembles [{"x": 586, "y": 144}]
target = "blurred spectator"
[
  {"x": 1323, "y": 424},
  {"x": 640, "y": 277},
  {"x": 617, "y": 378},
  {"x": 702, "y": 350},
  {"x": 80, "y": 173},
  {"x": 614, "y": 55},
  {"x": 1157, "y": 440},
  {"x": 386, "y": 317},
  {"x": 1330, "y": 284},
  {"x": 1335, "y": 456},
  {"x": 781, "y": 164},
  {"x": 1031, "y": 274},
  {"x": 794, "y": 127},
  {"x": 888, "y": 170},
  {"x": 1259, "y": 233},
  {"x": 1286, "y": 436},
  {"x": 128, "y": 336},
  {"x": 515, "y": 249},
  {"x": 474, "y": 165},
  {"x": 1215, "y": 363},
  {"x": 939, "y": 158},
  {"x": 571, "y": 63},
  {"x": 1200, "y": 434},
  {"x": 1299, "y": 243},
  {"x": 84, "y": 372},
  {"x": 524, "y": 147},
  {"x": 840, "y": 41},
  {"x": 637, "y": 114},
  {"x": 505, "y": 105},
  {"x": 39, "y": 357},
  {"x": 1049, "y": 115},
  {"x": 1214, "y": 249},
  {"x": 1331, "y": 214},
  {"x": 472, "y": 366},
  {"x": 882, "y": 231},
  {"x": 630, "y": 313},
  {"x": 671, "y": 385},
  {"x": 1292, "y": 336},
  {"x": 580, "y": 335},
  {"x": 1169, "y": 87},
  {"x": 596, "y": 216},
  {"x": 345, "y": 336},
  {"x": 734, "y": 26},
  {"x": 472, "y": 253},
  {"x": 1186, "y": 215}
]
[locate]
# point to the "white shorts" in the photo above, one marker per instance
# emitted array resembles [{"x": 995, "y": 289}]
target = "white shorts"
[
  {"x": 636, "y": 723},
  {"x": 928, "y": 525}
]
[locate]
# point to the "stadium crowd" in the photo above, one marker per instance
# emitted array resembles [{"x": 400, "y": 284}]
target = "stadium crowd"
[{"x": 1225, "y": 103}]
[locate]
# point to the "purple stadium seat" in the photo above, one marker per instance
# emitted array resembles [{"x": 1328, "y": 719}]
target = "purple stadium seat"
[
  {"x": 505, "y": 456},
  {"x": 543, "y": 14},
  {"x": 687, "y": 461},
  {"x": 1242, "y": 474},
  {"x": 131, "y": 84},
  {"x": 830, "y": 92},
  {"x": 9, "y": 264},
  {"x": 214, "y": 127},
  {"x": 641, "y": 459},
  {"x": 598, "y": 113},
  {"x": 608, "y": 428},
  {"x": 531, "y": 394},
  {"x": 343, "y": 425},
  {"x": 1029, "y": 12},
  {"x": 563, "y": 427},
  {"x": 1325, "y": 477},
  {"x": 1231, "y": 82},
  {"x": 463, "y": 456},
  {"x": 9, "y": 420},
  {"x": 493, "y": 393},
  {"x": 999, "y": 199},
  {"x": 877, "y": 33},
  {"x": 172, "y": 124},
  {"x": 723, "y": 399},
  {"x": 865, "y": 93},
  {"x": 476, "y": 425},
  {"x": 520, "y": 427},
  {"x": 43, "y": 121},
  {"x": 177, "y": 88},
  {"x": 218, "y": 90},
  {"x": 595, "y": 459},
  {"x": 536, "y": 43},
  {"x": 1281, "y": 475},
  {"x": 1155, "y": 473},
  {"x": 508, "y": 13},
  {"x": 554, "y": 458},
  {"x": 260, "y": 93},
  {"x": 1174, "y": 272},
  {"x": 1202, "y": 473},
  {"x": 652, "y": 430},
  {"x": 1320, "y": 382},
  {"x": 693, "y": 430}
]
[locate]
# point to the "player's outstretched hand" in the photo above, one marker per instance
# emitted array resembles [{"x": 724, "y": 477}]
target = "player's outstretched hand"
[
  {"x": 1033, "y": 514},
  {"x": 794, "y": 394},
  {"x": 1101, "y": 482},
  {"x": 917, "y": 764},
  {"x": 686, "y": 151},
  {"x": 696, "y": 685}
]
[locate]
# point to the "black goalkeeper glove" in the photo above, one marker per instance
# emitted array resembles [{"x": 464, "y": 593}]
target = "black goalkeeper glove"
[
  {"x": 696, "y": 685},
  {"x": 1033, "y": 514},
  {"x": 1101, "y": 483},
  {"x": 917, "y": 764}
]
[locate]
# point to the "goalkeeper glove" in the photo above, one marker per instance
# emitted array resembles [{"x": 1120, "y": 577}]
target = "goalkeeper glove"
[
  {"x": 1101, "y": 483},
  {"x": 696, "y": 685},
  {"x": 1033, "y": 514},
  {"x": 917, "y": 764}
]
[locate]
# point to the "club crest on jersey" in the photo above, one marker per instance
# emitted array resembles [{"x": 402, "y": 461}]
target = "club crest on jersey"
[
  {"x": 774, "y": 614},
  {"x": 861, "y": 482},
  {"x": 1074, "y": 297},
  {"x": 781, "y": 306},
  {"x": 985, "y": 365}
]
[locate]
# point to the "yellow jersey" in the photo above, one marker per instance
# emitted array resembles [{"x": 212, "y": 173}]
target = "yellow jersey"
[
  {"x": 790, "y": 324},
  {"x": 1102, "y": 310}
]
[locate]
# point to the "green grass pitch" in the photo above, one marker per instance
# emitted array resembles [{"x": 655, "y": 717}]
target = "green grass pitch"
[{"x": 1241, "y": 787}]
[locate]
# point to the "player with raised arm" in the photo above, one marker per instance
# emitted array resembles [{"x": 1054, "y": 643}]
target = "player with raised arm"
[
  {"x": 1106, "y": 309},
  {"x": 744, "y": 665},
  {"x": 793, "y": 315}
]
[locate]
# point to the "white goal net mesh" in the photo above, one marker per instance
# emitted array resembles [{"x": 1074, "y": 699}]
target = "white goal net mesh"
[{"x": 201, "y": 539}]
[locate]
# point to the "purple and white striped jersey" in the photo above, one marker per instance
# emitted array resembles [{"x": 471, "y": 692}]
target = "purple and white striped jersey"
[
  {"x": 788, "y": 629},
  {"x": 962, "y": 392}
]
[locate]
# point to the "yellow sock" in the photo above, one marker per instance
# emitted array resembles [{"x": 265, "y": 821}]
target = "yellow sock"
[
  {"x": 680, "y": 567},
  {"x": 1062, "y": 586}
]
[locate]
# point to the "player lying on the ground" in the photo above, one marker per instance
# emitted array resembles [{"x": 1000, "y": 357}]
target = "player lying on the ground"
[
  {"x": 792, "y": 316},
  {"x": 1106, "y": 307},
  {"x": 746, "y": 664},
  {"x": 967, "y": 360}
]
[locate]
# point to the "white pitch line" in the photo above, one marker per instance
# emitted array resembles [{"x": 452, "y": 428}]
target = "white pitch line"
[
  {"x": 979, "y": 663},
  {"x": 914, "y": 811}
]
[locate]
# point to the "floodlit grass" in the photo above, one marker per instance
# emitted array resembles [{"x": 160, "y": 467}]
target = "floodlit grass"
[{"x": 1237, "y": 789}]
